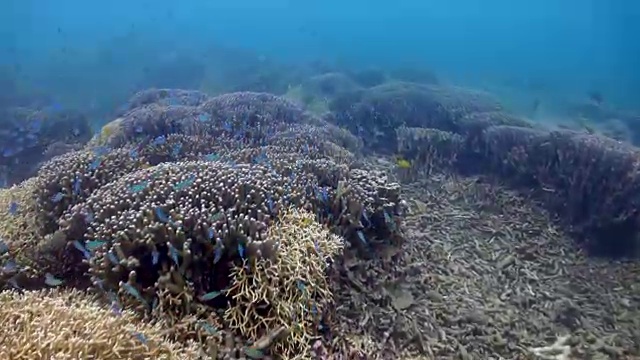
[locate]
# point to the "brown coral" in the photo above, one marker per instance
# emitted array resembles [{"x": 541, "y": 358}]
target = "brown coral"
[
  {"x": 70, "y": 325},
  {"x": 291, "y": 291}
]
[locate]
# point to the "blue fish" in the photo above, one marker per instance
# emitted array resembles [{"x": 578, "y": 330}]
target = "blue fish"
[
  {"x": 300, "y": 285},
  {"x": 77, "y": 186},
  {"x": 389, "y": 220},
  {"x": 78, "y": 245},
  {"x": 116, "y": 308},
  {"x": 138, "y": 187},
  {"x": 141, "y": 337},
  {"x": 218, "y": 253},
  {"x": 161, "y": 215},
  {"x": 133, "y": 153},
  {"x": 173, "y": 252},
  {"x": 270, "y": 203},
  {"x": 176, "y": 150},
  {"x": 361, "y": 237},
  {"x": 204, "y": 117},
  {"x": 227, "y": 126},
  {"x": 57, "y": 197},
  {"x": 139, "y": 129},
  {"x": 132, "y": 291},
  {"x": 113, "y": 258},
  {"x": 10, "y": 266},
  {"x": 211, "y": 233},
  {"x": 210, "y": 295},
  {"x": 185, "y": 184},
  {"x": 160, "y": 140},
  {"x": 51, "y": 280},
  {"x": 95, "y": 163},
  {"x": 155, "y": 256},
  {"x": 366, "y": 217},
  {"x": 13, "y": 208},
  {"x": 211, "y": 157},
  {"x": 93, "y": 245},
  {"x": 208, "y": 327},
  {"x": 241, "y": 250},
  {"x": 100, "y": 151}
]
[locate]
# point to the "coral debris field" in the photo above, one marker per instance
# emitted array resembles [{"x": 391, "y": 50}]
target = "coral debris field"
[{"x": 244, "y": 226}]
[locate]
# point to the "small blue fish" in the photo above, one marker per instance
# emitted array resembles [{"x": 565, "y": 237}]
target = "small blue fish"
[
  {"x": 113, "y": 258},
  {"x": 95, "y": 163},
  {"x": 100, "y": 151},
  {"x": 366, "y": 217},
  {"x": 132, "y": 291},
  {"x": 216, "y": 216},
  {"x": 93, "y": 245},
  {"x": 141, "y": 338},
  {"x": 300, "y": 285},
  {"x": 57, "y": 197},
  {"x": 160, "y": 140},
  {"x": 227, "y": 126},
  {"x": 218, "y": 253},
  {"x": 51, "y": 280},
  {"x": 138, "y": 187},
  {"x": 324, "y": 196},
  {"x": 389, "y": 220},
  {"x": 173, "y": 252},
  {"x": 211, "y": 157},
  {"x": 361, "y": 237},
  {"x": 211, "y": 233},
  {"x": 13, "y": 208},
  {"x": 241, "y": 250},
  {"x": 77, "y": 186},
  {"x": 116, "y": 308},
  {"x": 185, "y": 184},
  {"x": 133, "y": 153},
  {"x": 270, "y": 203},
  {"x": 155, "y": 256},
  {"x": 208, "y": 327},
  {"x": 78, "y": 245},
  {"x": 139, "y": 129},
  {"x": 175, "y": 151},
  {"x": 10, "y": 266},
  {"x": 204, "y": 117},
  {"x": 210, "y": 295},
  {"x": 253, "y": 353},
  {"x": 161, "y": 215}
]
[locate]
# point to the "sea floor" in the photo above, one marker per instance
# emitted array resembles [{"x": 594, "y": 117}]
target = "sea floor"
[{"x": 485, "y": 274}]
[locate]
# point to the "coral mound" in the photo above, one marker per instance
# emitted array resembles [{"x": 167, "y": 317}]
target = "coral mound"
[{"x": 375, "y": 113}]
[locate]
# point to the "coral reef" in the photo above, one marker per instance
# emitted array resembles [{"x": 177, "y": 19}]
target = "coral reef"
[{"x": 187, "y": 223}]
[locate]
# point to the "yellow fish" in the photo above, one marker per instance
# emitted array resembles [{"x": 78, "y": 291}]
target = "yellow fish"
[{"x": 403, "y": 164}]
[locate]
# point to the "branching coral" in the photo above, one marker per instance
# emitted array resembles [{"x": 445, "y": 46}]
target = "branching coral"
[
  {"x": 70, "y": 325},
  {"x": 291, "y": 290}
]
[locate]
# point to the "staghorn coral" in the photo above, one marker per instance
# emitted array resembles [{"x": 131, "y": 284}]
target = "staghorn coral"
[
  {"x": 291, "y": 291},
  {"x": 71, "y": 325}
]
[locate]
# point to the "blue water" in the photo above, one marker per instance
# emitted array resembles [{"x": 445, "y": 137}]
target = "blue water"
[{"x": 90, "y": 54}]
